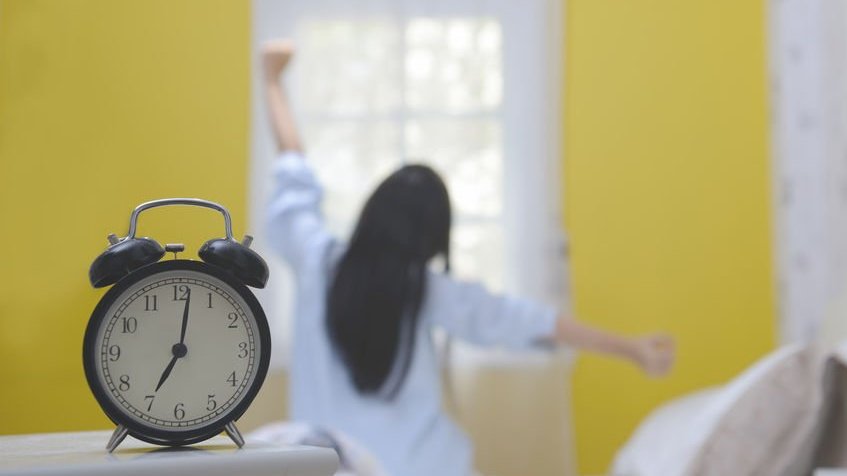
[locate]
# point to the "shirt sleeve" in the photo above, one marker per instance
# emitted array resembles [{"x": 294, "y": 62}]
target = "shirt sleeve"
[
  {"x": 294, "y": 220},
  {"x": 471, "y": 313}
]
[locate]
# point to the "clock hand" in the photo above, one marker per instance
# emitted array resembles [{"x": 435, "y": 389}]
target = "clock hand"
[
  {"x": 185, "y": 318},
  {"x": 179, "y": 350},
  {"x": 167, "y": 372}
]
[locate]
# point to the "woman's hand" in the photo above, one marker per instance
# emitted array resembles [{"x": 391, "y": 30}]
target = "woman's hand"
[
  {"x": 276, "y": 55},
  {"x": 654, "y": 354}
]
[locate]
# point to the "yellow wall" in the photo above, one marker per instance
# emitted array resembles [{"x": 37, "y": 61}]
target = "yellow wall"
[
  {"x": 667, "y": 197},
  {"x": 104, "y": 105}
]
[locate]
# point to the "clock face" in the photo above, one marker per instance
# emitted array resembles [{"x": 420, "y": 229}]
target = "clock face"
[{"x": 177, "y": 350}]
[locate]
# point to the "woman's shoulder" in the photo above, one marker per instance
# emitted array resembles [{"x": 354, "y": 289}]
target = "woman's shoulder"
[
  {"x": 320, "y": 257},
  {"x": 335, "y": 250},
  {"x": 329, "y": 255}
]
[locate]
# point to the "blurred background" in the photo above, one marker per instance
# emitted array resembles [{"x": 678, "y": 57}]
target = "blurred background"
[{"x": 649, "y": 164}]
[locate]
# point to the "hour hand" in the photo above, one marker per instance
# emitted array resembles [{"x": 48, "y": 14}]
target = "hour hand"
[{"x": 166, "y": 373}]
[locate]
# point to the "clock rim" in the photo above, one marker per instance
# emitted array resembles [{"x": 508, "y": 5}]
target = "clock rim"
[{"x": 116, "y": 413}]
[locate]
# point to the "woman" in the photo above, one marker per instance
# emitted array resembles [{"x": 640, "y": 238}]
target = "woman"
[{"x": 363, "y": 360}]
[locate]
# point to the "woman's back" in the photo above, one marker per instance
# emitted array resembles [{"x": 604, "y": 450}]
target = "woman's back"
[{"x": 410, "y": 433}]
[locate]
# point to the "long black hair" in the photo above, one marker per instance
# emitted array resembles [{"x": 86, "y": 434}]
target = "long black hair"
[{"x": 380, "y": 281}]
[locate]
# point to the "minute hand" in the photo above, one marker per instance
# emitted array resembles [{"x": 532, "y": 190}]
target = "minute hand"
[{"x": 185, "y": 318}]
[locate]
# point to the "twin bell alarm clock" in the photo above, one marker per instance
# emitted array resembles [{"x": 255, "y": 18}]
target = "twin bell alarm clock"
[{"x": 176, "y": 349}]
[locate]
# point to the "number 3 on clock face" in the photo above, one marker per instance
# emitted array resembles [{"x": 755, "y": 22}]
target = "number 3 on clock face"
[{"x": 176, "y": 350}]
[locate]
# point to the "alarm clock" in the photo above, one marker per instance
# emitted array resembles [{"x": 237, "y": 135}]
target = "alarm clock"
[{"x": 176, "y": 349}]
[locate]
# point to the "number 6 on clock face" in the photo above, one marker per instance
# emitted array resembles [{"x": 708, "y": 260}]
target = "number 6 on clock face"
[{"x": 176, "y": 350}]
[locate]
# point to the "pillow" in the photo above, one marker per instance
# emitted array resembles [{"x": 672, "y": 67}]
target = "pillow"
[
  {"x": 765, "y": 417},
  {"x": 753, "y": 425},
  {"x": 667, "y": 439}
]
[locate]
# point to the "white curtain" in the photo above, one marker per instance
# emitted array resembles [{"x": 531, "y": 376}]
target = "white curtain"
[{"x": 808, "y": 46}]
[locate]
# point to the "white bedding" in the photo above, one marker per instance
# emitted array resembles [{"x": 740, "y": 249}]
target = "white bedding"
[{"x": 757, "y": 424}]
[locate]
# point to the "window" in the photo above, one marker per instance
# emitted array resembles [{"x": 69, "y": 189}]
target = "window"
[
  {"x": 469, "y": 88},
  {"x": 374, "y": 94}
]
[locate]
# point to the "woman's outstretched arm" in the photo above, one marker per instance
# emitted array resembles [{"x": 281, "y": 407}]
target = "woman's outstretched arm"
[
  {"x": 276, "y": 55},
  {"x": 653, "y": 353},
  {"x": 469, "y": 312}
]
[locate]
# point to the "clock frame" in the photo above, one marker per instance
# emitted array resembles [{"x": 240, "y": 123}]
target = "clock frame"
[{"x": 154, "y": 434}]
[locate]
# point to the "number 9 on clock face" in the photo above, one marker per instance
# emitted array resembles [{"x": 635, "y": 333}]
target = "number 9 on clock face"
[{"x": 176, "y": 350}]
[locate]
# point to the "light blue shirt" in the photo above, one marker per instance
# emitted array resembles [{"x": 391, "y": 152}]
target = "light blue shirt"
[{"x": 411, "y": 434}]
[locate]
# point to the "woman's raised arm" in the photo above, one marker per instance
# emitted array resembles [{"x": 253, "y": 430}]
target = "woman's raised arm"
[{"x": 276, "y": 55}]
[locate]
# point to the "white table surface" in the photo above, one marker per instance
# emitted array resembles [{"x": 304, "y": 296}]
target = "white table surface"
[{"x": 77, "y": 454}]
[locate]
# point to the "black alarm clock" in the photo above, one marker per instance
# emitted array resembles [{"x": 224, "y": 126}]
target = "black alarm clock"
[{"x": 177, "y": 349}]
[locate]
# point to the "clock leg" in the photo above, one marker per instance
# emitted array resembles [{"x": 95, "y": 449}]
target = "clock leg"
[
  {"x": 118, "y": 436},
  {"x": 233, "y": 433}
]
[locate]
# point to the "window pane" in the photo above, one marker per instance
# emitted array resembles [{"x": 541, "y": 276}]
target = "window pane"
[
  {"x": 453, "y": 65},
  {"x": 350, "y": 158},
  {"x": 349, "y": 67},
  {"x": 468, "y": 153},
  {"x": 477, "y": 253}
]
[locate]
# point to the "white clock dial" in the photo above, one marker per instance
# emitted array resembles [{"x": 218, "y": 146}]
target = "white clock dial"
[{"x": 177, "y": 350}]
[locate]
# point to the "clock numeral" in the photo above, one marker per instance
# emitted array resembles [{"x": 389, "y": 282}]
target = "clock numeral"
[
  {"x": 233, "y": 320},
  {"x": 114, "y": 353},
  {"x": 210, "y": 300},
  {"x": 179, "y": 411},
  {"x": 130, "y": 324},
  {"x": 150, "y": 403},
  {"x": 242, "y": 350},
  {"x": 231, "y": 378},
  {"x": 211, "y": 404},
  {"x": 123, "y": 386},
  {"x": 151, "y": 303},
  {"x": 181, "y": 292}
]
